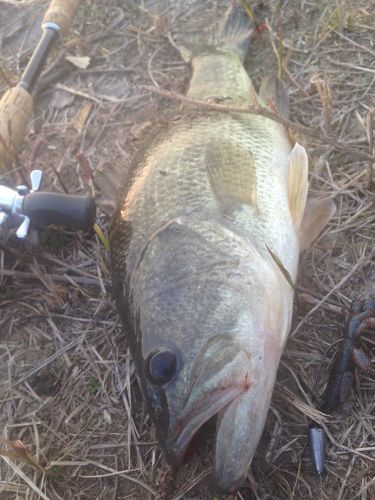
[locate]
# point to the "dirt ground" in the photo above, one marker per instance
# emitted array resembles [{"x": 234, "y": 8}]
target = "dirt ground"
[{"x": 67, "y": 386}]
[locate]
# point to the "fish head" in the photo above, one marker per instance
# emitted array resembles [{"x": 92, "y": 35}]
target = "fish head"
[
  {"x": 209, "y": 329},
  {"x": 182, "y": 396}
]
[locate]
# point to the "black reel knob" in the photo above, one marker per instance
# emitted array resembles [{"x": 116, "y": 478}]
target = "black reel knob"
[{"x": 60, "y": 209}]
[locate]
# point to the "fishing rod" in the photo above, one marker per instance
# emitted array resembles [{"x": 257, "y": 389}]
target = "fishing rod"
[
  {"x": 16, "y": 105},
  {"x": 22, "y": 205}
]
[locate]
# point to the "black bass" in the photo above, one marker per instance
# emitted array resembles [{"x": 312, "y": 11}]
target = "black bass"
[{"x": 204, "y": 246}]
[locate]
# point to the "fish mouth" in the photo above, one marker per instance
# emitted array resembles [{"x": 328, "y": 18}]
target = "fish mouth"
[
  {"x": 181, "y": 436},
  {"x": 221, "y": 377}
]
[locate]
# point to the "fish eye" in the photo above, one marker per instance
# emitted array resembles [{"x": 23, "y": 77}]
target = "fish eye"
[{"x": 161, "y": 366}]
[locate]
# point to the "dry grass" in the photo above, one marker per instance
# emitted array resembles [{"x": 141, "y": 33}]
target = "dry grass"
[{"x": 67, "y": 387}]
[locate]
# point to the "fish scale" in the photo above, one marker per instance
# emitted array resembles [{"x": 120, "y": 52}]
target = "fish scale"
[{"x": 183, "y": 186}]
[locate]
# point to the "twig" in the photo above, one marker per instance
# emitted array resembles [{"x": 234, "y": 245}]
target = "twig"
[
  {"x": 23, "y": 476},
  {"x": 262, "y": 111},
  {"x": 48, "y": 361},
  {"x": 370, "y": 137},
  {"x": 54, "y": 277},
  {"x": 79, "y": 93},
  {"x": 122, "y": 474},
  {"x": 336, "y": 287}
]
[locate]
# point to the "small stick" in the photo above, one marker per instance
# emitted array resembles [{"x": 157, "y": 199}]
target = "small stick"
[
  {"x": 370, "y": 134},
  {"x": 262, "y": 111}
]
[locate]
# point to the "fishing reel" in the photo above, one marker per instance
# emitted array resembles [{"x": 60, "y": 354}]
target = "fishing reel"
[{"x": 23, "y": 206}]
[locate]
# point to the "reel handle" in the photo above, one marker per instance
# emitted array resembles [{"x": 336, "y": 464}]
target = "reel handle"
[{"x": 60, "y": 209}]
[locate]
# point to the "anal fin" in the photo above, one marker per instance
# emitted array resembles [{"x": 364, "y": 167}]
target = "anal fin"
[
  {"x": 232, "y": 175},
  {"x": 317, "y": 215}
]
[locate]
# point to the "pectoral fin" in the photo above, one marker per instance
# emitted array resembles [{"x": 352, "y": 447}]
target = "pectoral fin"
[
  {"x": 317, "y": 215},
  {"x": 231, "y": 171},
  {"x": 282, "y": 268},
  {"x": 298, "y": 183}
]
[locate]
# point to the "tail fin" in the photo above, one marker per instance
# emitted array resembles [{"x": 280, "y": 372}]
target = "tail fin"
[{"x": 209, "y": 27}]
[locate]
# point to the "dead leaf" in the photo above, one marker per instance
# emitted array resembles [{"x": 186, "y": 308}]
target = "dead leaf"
[
  {"x": 9, "y": 78},
  {"x": 19, "y": 453},
  {"x": 107, "y": 417},
  {"x": 81, "y": 62},
  {"x": 138, "y": 130},
  {"x": 81, "y": 118}
]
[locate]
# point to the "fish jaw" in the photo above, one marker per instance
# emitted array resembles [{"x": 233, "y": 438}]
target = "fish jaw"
[
  {"x": 221, "y": 375},
  {"x": 241, "y": 423},
  {"x": 239, "y": 428},
  {"x": 181, "y": 436}
]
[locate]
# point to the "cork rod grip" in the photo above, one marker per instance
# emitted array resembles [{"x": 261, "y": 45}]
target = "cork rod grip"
[
  {"x": 16, "y": 106},
  {"x": 62, "y": 12}
]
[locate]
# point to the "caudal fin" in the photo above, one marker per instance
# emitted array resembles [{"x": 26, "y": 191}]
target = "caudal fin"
[{"x": 204, "y": 27}]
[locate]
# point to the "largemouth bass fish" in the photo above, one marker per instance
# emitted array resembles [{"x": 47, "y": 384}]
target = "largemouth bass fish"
[{"x": 204, "y": 239}]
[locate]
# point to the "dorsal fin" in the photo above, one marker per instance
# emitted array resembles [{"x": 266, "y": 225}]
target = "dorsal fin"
[
  {"x": 298, "y": 184},
  {"x": 232, "y": 175}
]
